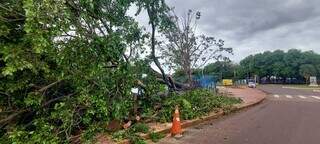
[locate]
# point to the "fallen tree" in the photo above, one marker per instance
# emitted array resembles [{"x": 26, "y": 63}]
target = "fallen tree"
[{"x": 178, "y": 86}]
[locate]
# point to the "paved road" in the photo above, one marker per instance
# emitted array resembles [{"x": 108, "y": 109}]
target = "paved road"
[
  {"x": 278, "y": 93},
  {"x": 283, "y": 118}
]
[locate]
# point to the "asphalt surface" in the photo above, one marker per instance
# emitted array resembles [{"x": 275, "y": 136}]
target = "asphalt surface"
[
  {"x": 278, "y": 89},
  {"x": 286, "y": 117}
]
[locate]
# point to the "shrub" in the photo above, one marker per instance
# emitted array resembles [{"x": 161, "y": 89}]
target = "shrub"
[
  {"x": 140, "y": 127},
  {"x": 132, "y": 133},
  {"x": 119, "y": 135},
  {"x": 155, "y": 137},
  {"x": 194, "y": 104}
]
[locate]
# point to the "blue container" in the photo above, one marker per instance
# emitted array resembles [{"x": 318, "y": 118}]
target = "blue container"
[{"x": 205, "y": 81}]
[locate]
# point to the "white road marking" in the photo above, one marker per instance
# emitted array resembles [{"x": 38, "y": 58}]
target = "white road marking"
[
  {"x": 303, "y": 97},
  {"x": 288, "y": 96},
  {"x": 276, "y": 96},
  {"x": 316, "y": 97}
]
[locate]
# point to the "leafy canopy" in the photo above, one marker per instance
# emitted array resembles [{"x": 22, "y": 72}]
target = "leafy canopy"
[{"x": 64, "y": 67}]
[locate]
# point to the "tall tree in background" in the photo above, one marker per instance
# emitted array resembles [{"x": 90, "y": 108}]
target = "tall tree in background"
[
  {"x": 223, "y": 69},
  {"x": 185, "y": 50},
  {"x": 307, "y": 70}
]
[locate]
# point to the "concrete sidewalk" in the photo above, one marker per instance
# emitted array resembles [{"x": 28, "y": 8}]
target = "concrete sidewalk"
[{"x": 248, "y": 95}]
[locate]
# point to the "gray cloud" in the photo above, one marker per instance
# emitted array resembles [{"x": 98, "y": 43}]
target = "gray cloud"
[{"x": 252, "y": 26}]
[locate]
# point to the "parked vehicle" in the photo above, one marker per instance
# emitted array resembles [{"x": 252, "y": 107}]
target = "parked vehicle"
[{"x": 252, "y": 83}]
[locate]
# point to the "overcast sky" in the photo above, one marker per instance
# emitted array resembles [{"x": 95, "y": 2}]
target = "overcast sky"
[{"x": 253, "y": 26}]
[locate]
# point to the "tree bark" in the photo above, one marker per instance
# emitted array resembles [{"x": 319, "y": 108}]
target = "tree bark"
[{"x": 189, "y": 77}]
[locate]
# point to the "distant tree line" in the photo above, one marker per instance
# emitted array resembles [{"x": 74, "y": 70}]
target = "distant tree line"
[
  {"x": 219, "y": 69},
  {"x": 283, "y": 67},
  {"x": 293, "y": 66}
]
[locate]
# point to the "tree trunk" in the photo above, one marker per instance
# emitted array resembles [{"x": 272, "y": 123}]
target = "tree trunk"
[
  {"x": 189, "y": 77},
  {"x": 153, "y": 52}
]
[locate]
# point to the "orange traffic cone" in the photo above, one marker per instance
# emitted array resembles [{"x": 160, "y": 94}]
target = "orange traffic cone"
[{"x": 176, "y": 125}]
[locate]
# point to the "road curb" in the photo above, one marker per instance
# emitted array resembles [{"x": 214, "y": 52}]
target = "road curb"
[{"x": 244, "y": 106}]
